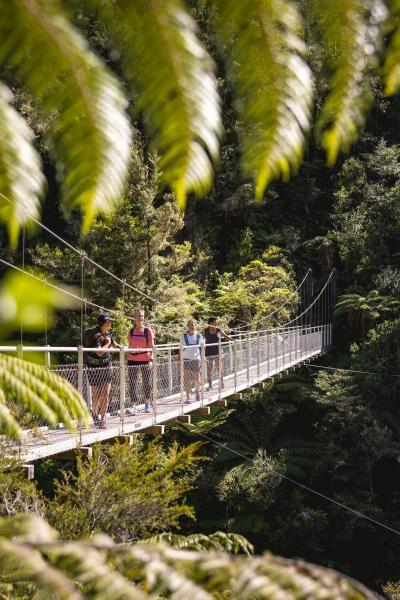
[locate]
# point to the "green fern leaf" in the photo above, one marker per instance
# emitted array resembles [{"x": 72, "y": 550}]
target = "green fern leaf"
[
  {"x": 177, "y": 89},
  {"x": 8, "y": 425},
  {"x": 21, "y": 179},
  {"x": 42, "y": 392},
  {"x": 103, "y": 570},
  {"x": 273, "y": 82},
  {"x": 91, "y": 133},
  {"x": 350, "y": 36},
  {"x": 391, "y": 67}
]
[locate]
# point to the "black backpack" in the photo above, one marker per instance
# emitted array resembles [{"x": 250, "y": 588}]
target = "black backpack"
[{"x": 92, "y": 360}]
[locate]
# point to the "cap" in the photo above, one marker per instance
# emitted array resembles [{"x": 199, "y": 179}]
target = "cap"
[{"x": 101, "y": 319}]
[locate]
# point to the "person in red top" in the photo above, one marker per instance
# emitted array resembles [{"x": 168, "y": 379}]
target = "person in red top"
[{"x": 140, "y": 339}]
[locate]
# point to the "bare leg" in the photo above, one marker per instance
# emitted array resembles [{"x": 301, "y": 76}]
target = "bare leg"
[
  {"x": 196, "y": 377},
  {"x": 104, "y": 391},
  {"x": 187, "y": 379},
  {"x": 96, "y": 400}
]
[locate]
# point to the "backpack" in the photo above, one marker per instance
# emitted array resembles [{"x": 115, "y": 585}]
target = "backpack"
[
  {"x": 145, "y": 334},
  {"x": 91, "y": 360},
  {"x": 197, "y": 342}
]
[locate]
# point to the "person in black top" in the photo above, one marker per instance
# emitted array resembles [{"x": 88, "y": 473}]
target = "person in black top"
[
  {"x": 212, "y": 335},
  {"x": 99, "y": 367}
]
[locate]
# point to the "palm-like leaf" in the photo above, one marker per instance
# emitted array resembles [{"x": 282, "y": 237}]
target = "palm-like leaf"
[
  {"x": 228, "y": 542},
  {"x": 40, "y": 391},
  {"x": 100, "y": 569},
  {"x": 273, "y": 82},
  {"x": 91, "y": 133},
  {"x": 21, "y": 178},
  {"x": 350, "y": 37},
  {"x": 391, "y": 67},
  {"x": 177, "y": 88}
]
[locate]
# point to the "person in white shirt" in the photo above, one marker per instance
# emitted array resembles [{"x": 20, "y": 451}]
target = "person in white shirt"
[{"x": 191, "y": 341}]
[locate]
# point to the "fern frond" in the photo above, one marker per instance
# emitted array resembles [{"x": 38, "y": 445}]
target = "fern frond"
[
  {"x": 21, "y": 178},
  {"x": 91, "y": 133},
  {"x": 391, "y": 66},
  {"x": 350, "y": 37},
  {"x": 178, "y": 95},
  {"x": 42, "y": 392},
  {"x": 19, "y": 563},
  {"x": 8, "y": 425},
  {"x": 104, "y": 570},
  {"x": 220, "y": 541},
  {"x": 273, "y": 81}
]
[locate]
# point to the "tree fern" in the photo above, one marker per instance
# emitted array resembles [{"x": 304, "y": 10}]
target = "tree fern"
[
  {"x": 391, "y": 67},
  {"x": 350, "y": 37},
  {"x": 178, "y": 95},
  {"x": 274, "y": 86},
  {"x": 91, "y": 134},
  {"x": 221, "y": 541},
  {"x": 100, "y": 569},
  {"x": 40, "y": 391},
  {"x": 21, "y": 178}
]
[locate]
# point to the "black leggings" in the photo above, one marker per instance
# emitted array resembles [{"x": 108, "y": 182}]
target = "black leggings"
[{"x": 146, "y": 371}]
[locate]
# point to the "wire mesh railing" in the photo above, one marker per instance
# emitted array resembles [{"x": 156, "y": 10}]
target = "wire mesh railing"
[{"x": 119, "y": 393}]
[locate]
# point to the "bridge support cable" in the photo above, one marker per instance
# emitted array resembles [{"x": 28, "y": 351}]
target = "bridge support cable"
[{"x": 305, "y": 284}]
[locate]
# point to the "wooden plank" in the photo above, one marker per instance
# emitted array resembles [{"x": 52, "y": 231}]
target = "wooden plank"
[
  {"x": 29, "y": 471},
  {"x": 202, "y": 410},
  {"x": 184, "y": 419},
  {"x": 261, "y": 385},
  {"x": 153, "y": 430},
  {"x": 82, "y": 451},
  {"x": 123, "y": 439},
  {"x": 223, "y": 403}
]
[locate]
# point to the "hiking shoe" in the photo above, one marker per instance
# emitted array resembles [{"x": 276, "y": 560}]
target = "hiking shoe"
[
  {"x": 209, "y": 386},
  {"x": 132, "y": 410},
  {"x": 102, "y": 425},
  {"x": 198, "y": 396},
  {"x": 187, "y": 401},
  {"x": 147, "y": 407}
]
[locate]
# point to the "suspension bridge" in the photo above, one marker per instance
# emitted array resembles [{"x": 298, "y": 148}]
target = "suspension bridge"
[{"x": 246, "y": 362}]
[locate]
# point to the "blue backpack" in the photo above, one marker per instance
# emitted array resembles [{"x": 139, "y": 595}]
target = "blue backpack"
[{"x": 197, "y": 342}]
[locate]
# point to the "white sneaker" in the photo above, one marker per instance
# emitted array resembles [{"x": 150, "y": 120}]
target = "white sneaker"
[{"x": 132, "y": 410}]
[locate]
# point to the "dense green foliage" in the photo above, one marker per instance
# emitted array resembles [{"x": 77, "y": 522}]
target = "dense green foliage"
[{"x": 337, "y": 432}]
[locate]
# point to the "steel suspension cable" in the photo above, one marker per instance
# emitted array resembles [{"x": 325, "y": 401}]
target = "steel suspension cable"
[
  {"x": 82, "y": 253},
  {"x": 299, "y": 287},
  {"x": 332, "y": 273}
]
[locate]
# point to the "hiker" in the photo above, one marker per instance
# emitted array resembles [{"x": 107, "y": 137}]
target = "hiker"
[
  {"x": 212, "y": 335},
  {"x": 191, "y": 341},
  {"x": 99, "y": 366},
  {"x": 141, "y": 362}
]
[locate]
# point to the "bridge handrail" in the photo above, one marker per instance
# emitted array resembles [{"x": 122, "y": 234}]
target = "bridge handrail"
[{"x": 159, "y": 347}]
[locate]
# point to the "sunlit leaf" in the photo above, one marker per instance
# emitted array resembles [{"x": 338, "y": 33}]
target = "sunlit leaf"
[
  {"x": 91, "y": 133},
  {"x": 265, "y": 52},
  {"x": 21, "y": 178}
]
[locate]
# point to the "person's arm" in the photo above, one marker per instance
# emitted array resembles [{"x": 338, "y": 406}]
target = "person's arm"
[
  {"x": 115, "y": 344},
  {"x": 181, "y": 350},
  {"x": 226, "y": 336},
  {"x": 150, "y": 343},
  {"x": 98, "y": 343}
]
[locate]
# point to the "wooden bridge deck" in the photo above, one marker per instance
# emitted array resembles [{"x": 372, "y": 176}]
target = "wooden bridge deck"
[{"x": 43, "y": 442}]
